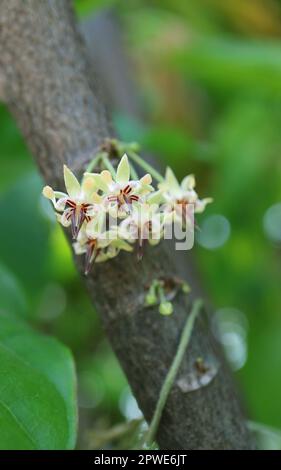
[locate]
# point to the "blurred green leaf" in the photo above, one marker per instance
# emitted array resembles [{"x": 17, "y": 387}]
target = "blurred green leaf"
[
  {"x": 128, "y": 128},
  {"x": 226, "y": 64},
  {"x": 60, "y": 262},
  {"x": 24, "y": 231},
  {"x": 37, "y": 394},
  {"x": 15, "y": 158},
  {"x": 12, "y": 297},
  {"x": 170, "y": 141},
  {"x": 86, "y": 7},
  {"x": 102, "y": 379}
]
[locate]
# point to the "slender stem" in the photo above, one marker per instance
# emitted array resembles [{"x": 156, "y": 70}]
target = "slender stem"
[
  {"x": 93, "y": 163},
  {"x": 133, "y": 172},
  {"x": 108, "y": 165},
  {"x": 136, "y": 158},
  {"x": 139, "y": 161},
  {"x": 161, "y": 293},
  {"x": 172, "y": 373}
]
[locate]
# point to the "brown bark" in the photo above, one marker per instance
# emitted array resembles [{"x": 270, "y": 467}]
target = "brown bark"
[{"x": 49, "y": 89}]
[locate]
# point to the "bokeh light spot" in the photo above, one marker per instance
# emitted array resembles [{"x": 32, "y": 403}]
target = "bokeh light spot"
[
  {"x": 272, "y": 222},
  {"x": 214, "y": 232},
  {"x": 230, "y": 327}
]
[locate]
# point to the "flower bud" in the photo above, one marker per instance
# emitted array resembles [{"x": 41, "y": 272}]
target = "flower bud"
[
  {"x": 166, "y": 308},
  {"x": 185, "y": 288},
  {"x": 150, "y": 299}
]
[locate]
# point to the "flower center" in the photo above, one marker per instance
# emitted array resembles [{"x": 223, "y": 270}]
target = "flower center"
[
  {"x": 77, "y": 213},
  {"x": 124, "y": 197}
]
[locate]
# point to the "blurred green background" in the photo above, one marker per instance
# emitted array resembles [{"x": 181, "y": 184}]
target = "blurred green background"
[{"x": 209, "y": 73}]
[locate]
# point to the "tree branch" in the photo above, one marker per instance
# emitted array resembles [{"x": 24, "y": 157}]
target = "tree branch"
[{"x": 50, "y": 91}]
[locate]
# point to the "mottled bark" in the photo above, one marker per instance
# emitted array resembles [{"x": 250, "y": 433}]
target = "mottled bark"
[{"x": 49, "y": 88}]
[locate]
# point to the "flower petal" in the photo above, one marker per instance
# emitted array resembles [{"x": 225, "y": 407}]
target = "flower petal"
[
  {"x": 102, "y": 257},
  {"x": 60, "y": 194},
  {"x": 78, "y": 248},
  {"x": 144, "y": 189},
  {"x": 106, "y": 176},
  {"x": 48, "y": 192},
  {"x": 188, "y": 183},
  {"x": 155, "y": 198},
  {"x": 107, "y": 237},
  {"x": 146, "y": 179},
  {"x": 112, "y": 251},
  {"x": 60, "y": 203},
  {"x": 200, "y": 204},
  {"x": 123, "y": 170},
  {"x": 122, "y": 245},
  {"x": 96, "y": 226},
  {"x": 88, "y": 185},
  {"x": 64, "y": 220},
  {"x": 96, "y": 198},
  {"x": 154, "y": 241},
  {"x": 71, "y": 183},
  {"x": 171, "y": 179},
  {"x": 98, "y": 180}
]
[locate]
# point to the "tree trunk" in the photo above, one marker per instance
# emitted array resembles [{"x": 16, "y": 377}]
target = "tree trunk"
[{"x": 49, "y": 88}]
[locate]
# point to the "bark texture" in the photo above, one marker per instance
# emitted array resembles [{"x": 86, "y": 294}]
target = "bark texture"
[{"x": 49, "y": 88}]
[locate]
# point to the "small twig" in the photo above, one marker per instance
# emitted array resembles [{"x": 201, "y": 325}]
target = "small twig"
[{"x": 170, "y": 378}]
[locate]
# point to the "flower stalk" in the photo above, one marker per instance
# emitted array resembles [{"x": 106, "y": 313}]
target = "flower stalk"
[
  {"x": 172, "y": 373},
  {"x": 94, "y": 162},
  {"x": 145, "y": 166}
]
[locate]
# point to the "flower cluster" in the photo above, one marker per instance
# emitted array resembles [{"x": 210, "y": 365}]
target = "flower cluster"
[{"x": 109, "y": 211}]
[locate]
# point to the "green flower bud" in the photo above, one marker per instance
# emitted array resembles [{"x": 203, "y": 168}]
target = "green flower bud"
[
  {"x": 166, "y": 308},
  {"x": 150, "y": 299},
  {"x": 186, "y": 288}
]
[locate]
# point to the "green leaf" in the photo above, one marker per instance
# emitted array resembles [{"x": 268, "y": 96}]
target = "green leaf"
[
  {"x": 86, "y": 7},
  {"x": 37, "y": 390},
  {"x": 232, "y": 64},
  {"x": 25, "y": 233},
  {"x": 15, "y": 157},
  {"x": 12, "y": 297}
]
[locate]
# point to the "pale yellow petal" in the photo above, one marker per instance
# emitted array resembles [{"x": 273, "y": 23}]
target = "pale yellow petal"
[
  {"x": 123, "y": 170},
  {"x": 171, "y": 179},
  {"x": 88, "y": 184},
  {"x": 146, "y": 179},
  {"x": 155, "y": 198},
  {"x": 64, "y": 221},
  {"x": 78, "y": 248},
  {"x": 106, "y": 176},
  {"x": 48, "y": 192},
  {"x": 188, "y": 183},
  {"x": 96, "y": 198},
  {"x": 99, "y": 180},
  {"x": 200, "y": 204},
  {"x": 71, "y": 183}
]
